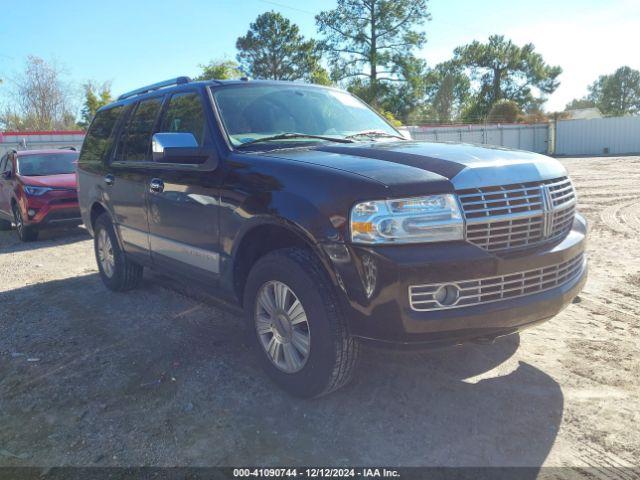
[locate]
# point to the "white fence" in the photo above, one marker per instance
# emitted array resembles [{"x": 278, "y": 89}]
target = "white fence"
[
  {"x": 532, "y": 137},
  {"x": 598, "y": 136},
  {"x": 40, "y": 140}
]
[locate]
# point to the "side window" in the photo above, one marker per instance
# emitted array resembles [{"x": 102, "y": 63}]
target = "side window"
[
  {"x": 99, "y": 137},
  {"x": 135, "y": 140},
  {"x": 185, "y": 114}
]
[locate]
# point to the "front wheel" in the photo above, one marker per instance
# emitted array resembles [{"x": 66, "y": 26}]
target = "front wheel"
[
  {"x": 26, "y": 234},
  {"x": 118, "y": 273},
  {"x": 296, "y": 326}
]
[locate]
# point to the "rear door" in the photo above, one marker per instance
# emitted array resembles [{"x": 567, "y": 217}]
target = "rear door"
[
  {"x": 127, "y": 178},
  {"x": 183, "y": 217}
]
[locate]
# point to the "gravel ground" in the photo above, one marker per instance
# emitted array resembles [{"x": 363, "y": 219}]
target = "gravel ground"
[{"x": 161, "y": 376}]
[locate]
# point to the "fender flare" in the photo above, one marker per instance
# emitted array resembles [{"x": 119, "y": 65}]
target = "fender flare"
[{"x": 106, "y": 210}]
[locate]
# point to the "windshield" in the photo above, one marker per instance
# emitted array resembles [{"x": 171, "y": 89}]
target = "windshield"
[
  {"x": 47, "y": 164},
  {"x": 252, "y": 112}
]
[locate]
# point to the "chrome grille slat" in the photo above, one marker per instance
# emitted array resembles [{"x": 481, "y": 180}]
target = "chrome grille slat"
[
  {"x": 493, "y": 289},
  {"x": 562, "y": 197},
  {"x": 487, "y": 211},
  {"x": 508, "y": 234},
  {"x": 520, "y": 227},
  {"x": 505, "y": 218},
  {"x": 513, "y": 216},
  {"x": 566, "y": 188},
  {"x": 483, "y": 202}
]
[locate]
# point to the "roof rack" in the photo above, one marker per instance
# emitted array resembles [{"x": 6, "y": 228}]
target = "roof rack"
[{"x": 155, "y": 86}]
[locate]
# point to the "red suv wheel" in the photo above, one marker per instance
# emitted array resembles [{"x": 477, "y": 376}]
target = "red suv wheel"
[{"x": 26, "y": 234}]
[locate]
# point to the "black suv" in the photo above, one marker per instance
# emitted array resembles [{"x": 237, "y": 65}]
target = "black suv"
[{"x": 324, "y": 223}]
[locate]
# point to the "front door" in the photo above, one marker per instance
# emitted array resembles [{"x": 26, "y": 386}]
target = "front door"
[
  {"x": 183, "y": 203},
  {"x": 127, "y": 178}
]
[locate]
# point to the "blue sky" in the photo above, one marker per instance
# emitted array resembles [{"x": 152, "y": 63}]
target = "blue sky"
[{"x": 133, "y": 43}]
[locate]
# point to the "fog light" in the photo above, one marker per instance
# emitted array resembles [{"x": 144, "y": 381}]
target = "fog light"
[
  {"x": 31, "y": 212},
  {"x": 447, "y": 295}
]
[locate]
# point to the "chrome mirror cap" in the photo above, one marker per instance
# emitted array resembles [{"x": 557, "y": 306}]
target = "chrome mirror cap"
[{"x": 162, "y": 141}]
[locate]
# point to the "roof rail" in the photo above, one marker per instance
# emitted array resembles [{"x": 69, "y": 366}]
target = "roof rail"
[
  {"x": 155, "y": 86},
  {"x": 68, "y": 147}
]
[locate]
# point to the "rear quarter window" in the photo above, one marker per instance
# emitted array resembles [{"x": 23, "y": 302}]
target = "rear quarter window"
[
  {"x": 135, "y": 140},
  {"x": 99, "y": 138}
]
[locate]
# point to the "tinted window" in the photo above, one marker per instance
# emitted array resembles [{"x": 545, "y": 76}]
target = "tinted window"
[
  {"x": 100, "y": 135},
  {"x": 135, "y": 140},
  {"x": 185, "y": 114},
  {"x": 47, "y": 164},
  {"x": 252, "y": 112}
]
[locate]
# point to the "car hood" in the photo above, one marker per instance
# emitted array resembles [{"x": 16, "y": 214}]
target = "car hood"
[
  {"x": 409, "y": 163},
  {"x": 64, "y": 180}
]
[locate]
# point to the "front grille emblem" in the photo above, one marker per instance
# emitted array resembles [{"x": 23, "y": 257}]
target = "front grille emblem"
[{"x": 547, "y": 206}]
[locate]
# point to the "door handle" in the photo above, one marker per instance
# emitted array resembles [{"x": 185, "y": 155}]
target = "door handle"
[
  {"x": 109, "y": 179},
  {"x": 156, "y": 186}
]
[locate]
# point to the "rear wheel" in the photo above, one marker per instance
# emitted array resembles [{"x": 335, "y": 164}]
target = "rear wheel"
[
  {"x": 118, "y": 273},
  {"x": 296, "y": 326},
  {"x": 26, "y": 234}
]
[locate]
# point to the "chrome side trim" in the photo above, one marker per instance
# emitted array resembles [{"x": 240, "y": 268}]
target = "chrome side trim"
[
  {"x": 188, "y": 254},
  {"x": 181, "y": 252},
  {"x": 63, "y": 220},
  {"x": 494, "y": 289},
  {"x": 135, "y": 237}
]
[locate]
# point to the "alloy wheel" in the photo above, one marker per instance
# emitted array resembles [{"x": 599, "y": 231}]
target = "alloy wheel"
[
  {"x": 282, "y": 327},
  {"x": 18, "y": 219},
  {"x": 105, "y": 253}
]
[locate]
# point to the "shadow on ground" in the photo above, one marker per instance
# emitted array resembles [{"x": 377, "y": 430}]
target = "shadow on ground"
[
  {"x": 152, "y": 377},
  {"x": 9, "y": 241}
]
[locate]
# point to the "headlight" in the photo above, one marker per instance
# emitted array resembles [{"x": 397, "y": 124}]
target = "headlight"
[
  {"x": 35, "y": 191},
  {"x": 435, "y": 218}
]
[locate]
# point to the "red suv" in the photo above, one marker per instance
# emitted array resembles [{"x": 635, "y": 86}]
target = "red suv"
[{"x": 38, "y": 189}]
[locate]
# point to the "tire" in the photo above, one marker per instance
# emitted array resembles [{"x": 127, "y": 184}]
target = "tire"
[
  {"x": 26, "y": 234},
  {"x": 5, "y": 225},
  {"x": 332, "y": 354},
  {"x": 118, "y": 273}
]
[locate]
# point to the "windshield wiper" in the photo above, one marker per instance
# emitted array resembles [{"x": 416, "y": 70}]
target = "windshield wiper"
[
  {"x": 373, "y": 133},
  {"x": 287, "y": 136}
]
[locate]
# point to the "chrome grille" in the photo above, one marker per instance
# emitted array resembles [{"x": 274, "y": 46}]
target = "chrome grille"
[
  {"x": 519, "y": 215},
  {"x": 562, "y": 192},
  {"x": 563, "y": 201},
  {"x": 500, "y": 235},
  {"x": 493, "y": 289},
  {"x": 561, "y": 221}
]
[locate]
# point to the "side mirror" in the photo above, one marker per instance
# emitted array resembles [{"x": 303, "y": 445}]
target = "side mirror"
[
  {"x": 6, "y": 175},
  {"x": 180, "y": 148}
]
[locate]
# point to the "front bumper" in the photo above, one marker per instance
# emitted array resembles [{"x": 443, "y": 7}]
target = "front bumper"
[
  {"x": 60, "y": 211},
  {"x": 375, "y": 283}
]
